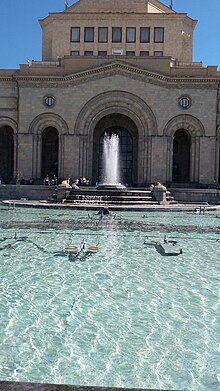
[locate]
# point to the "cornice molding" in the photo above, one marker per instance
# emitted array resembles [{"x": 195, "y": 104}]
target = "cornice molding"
[
  {"x": 116, "y": 68},
  {"x": 4, "y": 79}
]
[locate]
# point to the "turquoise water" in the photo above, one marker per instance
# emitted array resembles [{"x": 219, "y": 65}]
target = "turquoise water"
[{"x": 125, "y": 316}]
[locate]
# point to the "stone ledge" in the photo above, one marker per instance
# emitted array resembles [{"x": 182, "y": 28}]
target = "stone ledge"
[{"x": 18, "y": 386}]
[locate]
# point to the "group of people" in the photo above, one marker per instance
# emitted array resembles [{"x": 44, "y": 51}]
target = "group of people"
[
  {"x": 75, "y": 183},
  {"x": 50, "y": 181},
  {"x": 69, "y": 182},
  {"x": 81, "y": 181}
]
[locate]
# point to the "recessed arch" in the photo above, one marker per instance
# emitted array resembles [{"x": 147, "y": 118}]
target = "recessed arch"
[
  {"x": 195, "y": 130},
  {"x": 60, "y": 129},
  {"x": 7, "y": 121},
  {"x": 47, "y": 120},
  {"x": 187, "y": 122},
  {"x": 116, "y": 102}
]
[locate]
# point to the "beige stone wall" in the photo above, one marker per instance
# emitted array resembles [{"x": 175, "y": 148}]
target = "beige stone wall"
[
  {"x": 8, "y": 99},
  {"x": 162, "y": 100},
  {"x": 25, "y": 156},
  {"x": 178, "y": 34},
  {"x": 208, "y": 162},
  {"x": 71, "y": 152},
  {"x": 158, "y": 160}
]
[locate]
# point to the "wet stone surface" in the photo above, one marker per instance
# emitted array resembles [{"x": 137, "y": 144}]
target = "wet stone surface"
[{"x": 13, "y": 386}]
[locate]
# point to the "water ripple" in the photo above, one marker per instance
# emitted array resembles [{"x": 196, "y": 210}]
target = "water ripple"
[{"x": 124, "y": 317}]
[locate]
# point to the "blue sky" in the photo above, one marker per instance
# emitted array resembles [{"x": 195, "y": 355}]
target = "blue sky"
[{"x": 20, "y": 32}]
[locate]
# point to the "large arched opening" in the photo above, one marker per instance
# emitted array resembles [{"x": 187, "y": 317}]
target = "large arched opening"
[
  {"x": 184, "y": 134},
  {"x": 6, "y": 154},
  {"x": 128, "y": 113},
  {"x": 50, "y": 151},
  {"x": 181, "y": 156},
  {"x": 127, "y": 132}
]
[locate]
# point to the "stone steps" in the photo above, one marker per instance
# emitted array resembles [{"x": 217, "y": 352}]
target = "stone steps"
[
  {"x": 108, "y": 198},
  {"x": 114, "y": 202},
  {"x": 129, "y": 196}
]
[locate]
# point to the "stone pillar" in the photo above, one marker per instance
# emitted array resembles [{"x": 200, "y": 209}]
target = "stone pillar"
[
  {"x": 194, "y": 159},
  {"x": 61, "y": 157},
  {"x": 158, "y": 160},
  {"x": 15, "y": 174},
  {"x": 169, "y": 168},
  {"x": 217, "y": 154},
  {"x": 145, "y": 175},
  {"x": 83, "y": 154},
  {"x": 25, "y": 156},
  {"x": 37, "y": 152}
]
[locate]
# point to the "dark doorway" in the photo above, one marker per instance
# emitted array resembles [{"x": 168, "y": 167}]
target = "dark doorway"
[
  {"x": 219, "y": 165},
  {"x": 6, "y": 154},
  {"x": 125, "y": 153},
  {"x": 181, "y": 156},
  {"x": 50, "y": 147},
  {"x": 127, "y": 131}
]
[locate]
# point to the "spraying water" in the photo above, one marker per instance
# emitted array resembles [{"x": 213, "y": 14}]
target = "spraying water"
[{"x": 111, "y": 159}]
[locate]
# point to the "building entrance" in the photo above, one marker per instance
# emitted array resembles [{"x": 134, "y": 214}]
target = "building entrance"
[
  {"x": 181, "y": 156},
  {"x": 49, "y": 152},
  {"x": 6, "y": 154},
  {"x": 127, "y": 133},
  {"x": 125, "y": 153}
]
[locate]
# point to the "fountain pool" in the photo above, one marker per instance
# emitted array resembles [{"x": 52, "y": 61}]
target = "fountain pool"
[{"x": 122, "y": 317}]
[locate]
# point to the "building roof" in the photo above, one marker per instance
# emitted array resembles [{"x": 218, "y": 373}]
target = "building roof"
[{"x": 113, "y": 6}]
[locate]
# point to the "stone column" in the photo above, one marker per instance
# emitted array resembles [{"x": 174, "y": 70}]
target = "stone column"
[
  {"x": 194, "y": 159},
  {"x": 217, "y": 154},
  {"x": 15, "y": 171},
  {"x": 83, "y": 157},
  {"x": 144, "y": 167},
  {"x": 169, "y": 164},
  {"x": 61, "y": 157},
  {"x": 38, "y": 155}
]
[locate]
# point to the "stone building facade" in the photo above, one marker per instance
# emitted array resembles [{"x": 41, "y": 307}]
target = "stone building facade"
[{"x": 112, "y": 67}]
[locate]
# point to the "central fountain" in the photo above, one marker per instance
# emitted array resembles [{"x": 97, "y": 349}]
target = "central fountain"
[
  {"x": 110, "y": 192},
  {"x": 111, "y": 178}
]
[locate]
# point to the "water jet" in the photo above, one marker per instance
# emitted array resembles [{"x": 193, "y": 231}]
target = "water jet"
[{"x": 111, "y": 179}]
